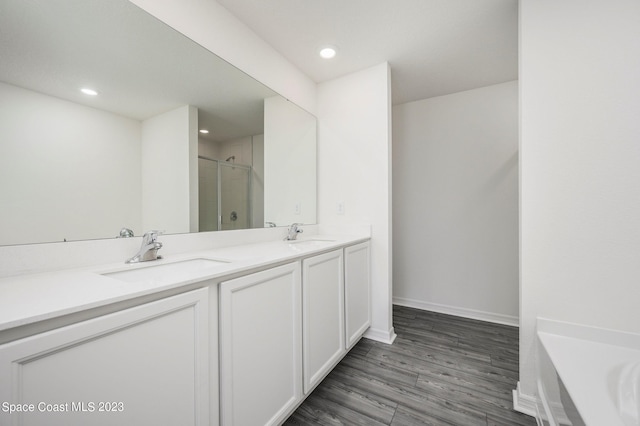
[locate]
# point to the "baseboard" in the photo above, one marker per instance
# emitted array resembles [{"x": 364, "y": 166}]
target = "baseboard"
[
  {"x": 460, "y": 312},
  {"x": 526, "y": 404},
  {"x": 381, "y": 335}
]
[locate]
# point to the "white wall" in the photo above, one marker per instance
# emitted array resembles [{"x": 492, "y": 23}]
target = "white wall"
[
  {"x": 289, "y": 163},
  {"x": 170, "y": 171},
  {"x": 239, "y": 148},
  {"x": 192, "y": 143},
  {"x": 209, "y": 149},
  {"x": 215, "y": 28},
  {"x": 455, "y": 211},
  {"x": 65, "y": 169},
  {"x": 354, "y": 168},
  {"x": 257, "y": 182},
  {"x": 580, "y": 167}
]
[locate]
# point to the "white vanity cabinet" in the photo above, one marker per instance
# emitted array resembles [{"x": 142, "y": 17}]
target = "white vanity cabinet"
[
  {"x": 241, "y": 347},
  {"x": 357, "y": 291},
  {"x": 282, "y": 330},
  {"x": 143, "y": 365},
  {"x": 260, "y": 347},
  {"x": 322, "y": 315}
]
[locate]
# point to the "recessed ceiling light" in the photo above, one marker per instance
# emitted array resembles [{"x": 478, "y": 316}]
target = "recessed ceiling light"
[
  {"x": 88, "y": 91},
  {"x": 328, "y": 52},
  {"x": 204, "y": 131}
]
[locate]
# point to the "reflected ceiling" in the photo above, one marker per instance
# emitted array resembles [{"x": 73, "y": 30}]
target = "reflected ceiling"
[{"x": 56, "y": 32}]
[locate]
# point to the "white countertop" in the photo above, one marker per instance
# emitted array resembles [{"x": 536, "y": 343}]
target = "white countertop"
[
  {"x": 31, "y": 298},
  {"x": 590, "y": 362}
]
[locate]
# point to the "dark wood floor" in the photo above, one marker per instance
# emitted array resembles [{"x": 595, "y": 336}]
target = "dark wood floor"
[{"x": 441, "y": 370}]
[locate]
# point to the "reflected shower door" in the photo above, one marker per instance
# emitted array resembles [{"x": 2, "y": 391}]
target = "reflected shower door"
[
  {"x": 235, "y": 196},
  {"x": 208, "y": 194}
]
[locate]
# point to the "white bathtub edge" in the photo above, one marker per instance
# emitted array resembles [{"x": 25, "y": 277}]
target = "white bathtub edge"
[{"x": 587, "y": 332}]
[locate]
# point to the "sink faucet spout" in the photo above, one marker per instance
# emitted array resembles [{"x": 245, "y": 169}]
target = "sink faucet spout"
[
  {"x": 149, "y": 249},
  {"x": 293, "y": 232}
]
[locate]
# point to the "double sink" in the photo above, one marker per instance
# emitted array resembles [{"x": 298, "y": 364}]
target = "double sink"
[
  {"x": 167, "y": 271},
  {"x": 176, "y": 271}
]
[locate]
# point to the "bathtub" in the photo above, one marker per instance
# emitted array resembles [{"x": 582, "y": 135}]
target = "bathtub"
[{"x": 587, "y": 376}]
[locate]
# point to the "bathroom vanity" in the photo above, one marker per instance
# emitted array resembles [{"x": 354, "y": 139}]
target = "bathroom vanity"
[{"x": 232, "y": 336}]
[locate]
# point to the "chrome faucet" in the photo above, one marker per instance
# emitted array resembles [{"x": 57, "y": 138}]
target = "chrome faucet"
[
  {"x": 293, "y": 232},
  {"x": 125, "y": 233},
  {"x": 149, "y": 249}
]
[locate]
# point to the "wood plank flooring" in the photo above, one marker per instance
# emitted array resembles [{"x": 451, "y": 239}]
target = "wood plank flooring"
[{"x": 441, "y": 370}]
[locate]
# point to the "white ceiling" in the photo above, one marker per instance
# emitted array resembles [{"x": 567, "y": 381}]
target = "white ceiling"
[
  {"x": 435, "y": 47},
  {"x": 143, "y": 68}
]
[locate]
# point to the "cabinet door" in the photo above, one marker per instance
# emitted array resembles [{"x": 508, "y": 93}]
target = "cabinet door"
[
  {"x": 143, "y": 365},
  {"x": 357, "y": 292},
  {"x": 323, "y": 315},
  {"x": 260, "y": 347}
]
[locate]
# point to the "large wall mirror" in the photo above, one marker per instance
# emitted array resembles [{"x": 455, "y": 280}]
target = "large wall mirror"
[{"x": 76, "y": 166}]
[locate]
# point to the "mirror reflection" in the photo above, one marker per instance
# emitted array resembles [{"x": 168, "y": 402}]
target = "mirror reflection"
[{"x": 173, "y": 138}]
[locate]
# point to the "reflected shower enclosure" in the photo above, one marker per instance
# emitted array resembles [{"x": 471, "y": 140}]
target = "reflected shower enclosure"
[{"x": 224, "y": 192}]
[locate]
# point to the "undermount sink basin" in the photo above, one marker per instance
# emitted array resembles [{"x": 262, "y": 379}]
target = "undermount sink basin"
[
  {"x": 167, "y": 271},
  {"x": 312, "y": 242}
]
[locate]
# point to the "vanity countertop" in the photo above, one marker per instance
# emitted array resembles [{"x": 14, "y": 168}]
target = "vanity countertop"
[{"x": 27, "y": 299}]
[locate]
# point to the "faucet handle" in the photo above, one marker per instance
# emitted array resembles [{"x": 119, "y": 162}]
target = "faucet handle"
[
  {"x": 125, "y": 233},
  {"x": 294, "y": 228},
  {"x": 150, "y": 236},
  {"x": 293, "y": 231}
]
